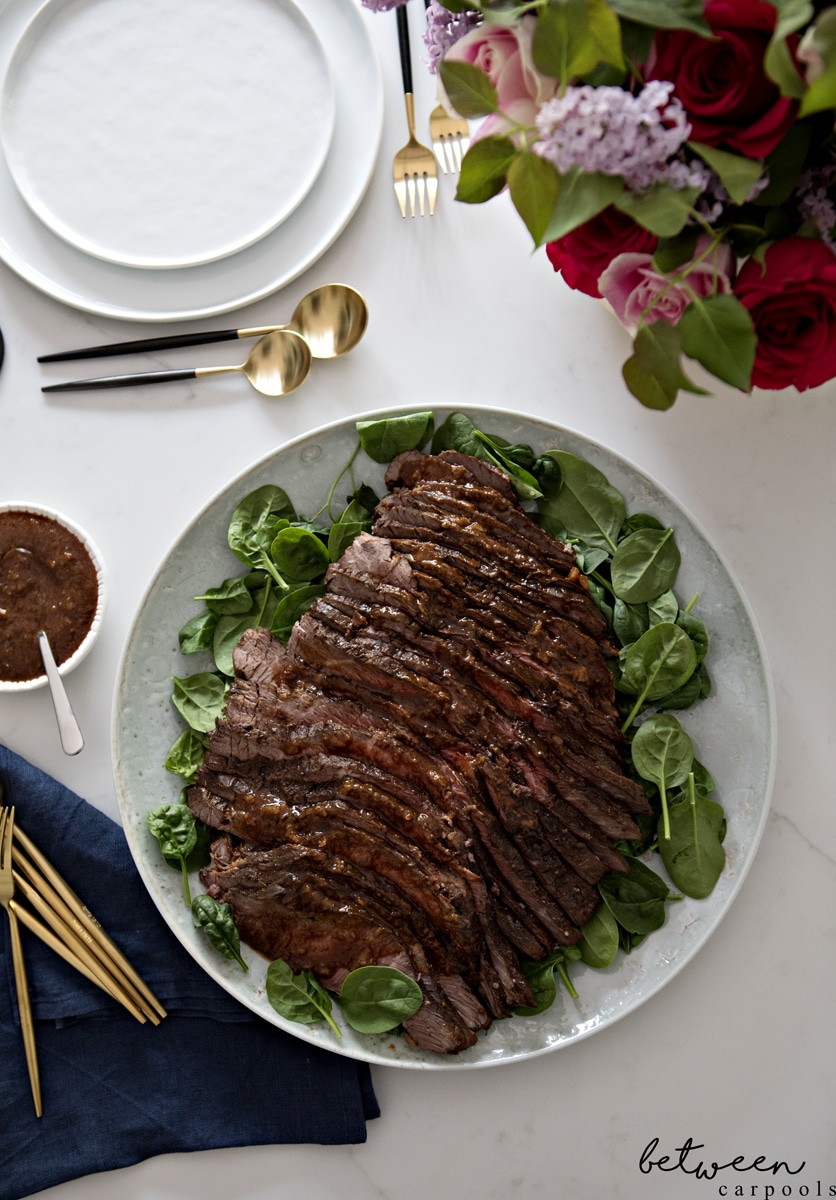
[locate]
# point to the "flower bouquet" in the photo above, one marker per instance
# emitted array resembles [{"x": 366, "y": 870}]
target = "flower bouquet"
[{"x": 676, "y": 158}]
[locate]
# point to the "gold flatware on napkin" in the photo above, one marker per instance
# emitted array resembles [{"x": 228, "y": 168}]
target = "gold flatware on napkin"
[
  {"x": 82, "y": 941},
  {"x": 414, "y": 171},
  {"x": 7, "y": 888}
]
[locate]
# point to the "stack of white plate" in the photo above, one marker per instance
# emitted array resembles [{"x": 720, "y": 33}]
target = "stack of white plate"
[{"x": 166, "y": 159}]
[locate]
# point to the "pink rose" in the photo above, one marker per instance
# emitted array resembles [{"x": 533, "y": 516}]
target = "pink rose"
[
  {"x": 636, "y": 290},
  {"x": 505, "y": 56}
]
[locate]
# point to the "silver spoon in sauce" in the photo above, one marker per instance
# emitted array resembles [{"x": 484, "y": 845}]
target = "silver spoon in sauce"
[
  {"x": 25, "y": 564},
  {"x": 68, "y": 730}
]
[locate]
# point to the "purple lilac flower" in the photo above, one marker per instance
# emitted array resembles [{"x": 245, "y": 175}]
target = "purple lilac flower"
[
  {"x": 817, "y": 201},
  {"x": 381, "y": 5},
  {"x": 444, "y": 28},
  {"x": 609, "y": 130}
]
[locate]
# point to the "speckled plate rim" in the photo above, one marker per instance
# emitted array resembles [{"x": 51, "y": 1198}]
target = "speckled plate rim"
[
  {"x": 28, "y": 685},
  {"x": 734, "y": 732}
]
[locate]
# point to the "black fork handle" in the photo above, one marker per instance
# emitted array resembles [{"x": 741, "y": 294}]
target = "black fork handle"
[{"x": 403, "y": 46}]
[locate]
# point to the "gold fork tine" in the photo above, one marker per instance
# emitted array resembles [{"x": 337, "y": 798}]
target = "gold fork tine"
[
  {"x": 451, "y": 139},
  {"x": 414, "y": 169},
  {"x": 7, "y": 820}
]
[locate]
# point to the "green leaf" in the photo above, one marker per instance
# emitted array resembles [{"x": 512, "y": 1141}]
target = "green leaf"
[
  {"x": 457, "y": 433},
  {"x": 599, "y": 944},
  {"x": 778, "y": 62},
  {"x": 637, "y": 900},
  {"x": 587, "y": 504},
  {"x": 693, "y": 853},
  {"x": 572, "y": 37},
  {"x": 298, "y": 997},
  {"x": 785, "y": 164},
  {"x": 197, "y": 633},
  {"x": 654, "y": 373},
  {"x": 215, "y": 919},
  {"x": 468, "y": 89},
  {"x": 644, "y": 565},
  {"x": 300, "y": 555},
  {"x": 175, "y": 829},
  {"x": 387, "y": 437},
  {"x": 485, "y": 169},
  {"x": 534, "y": 185},
  {"x": 254, "y": 521},
  {"x": 821, "y": 93},
  {"x": 233, "y": 596},
  {"x": 376, "y": 999},
  {"x": 738, "y": 175},
  {"x": 199, "y": 699},
  {"x": 541, "y": 979},
  {"x": 658, "y": 663},
  {"x": 581, "y": 196},
  {"x": 291, "y": 607},
  {"x": 661, "y": 209},
  {"x": 663, "y": 754},
  {"x": 186, "y": 754},
  {"x": 666, "y": 14},
  {"x": 718, "y": 332}
]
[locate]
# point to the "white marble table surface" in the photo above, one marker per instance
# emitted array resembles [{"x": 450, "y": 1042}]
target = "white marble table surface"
[{"x": 737, "y": 1052}]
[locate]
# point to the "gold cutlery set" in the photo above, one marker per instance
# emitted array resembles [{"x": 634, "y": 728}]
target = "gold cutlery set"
[
  {"x": 326, "y": 323},
  {"x": 414, "y": 167},
  {"x": 65, "y": 924}
]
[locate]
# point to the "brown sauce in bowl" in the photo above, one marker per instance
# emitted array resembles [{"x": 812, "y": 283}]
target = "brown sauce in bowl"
[{"x": 47, "y": 581}]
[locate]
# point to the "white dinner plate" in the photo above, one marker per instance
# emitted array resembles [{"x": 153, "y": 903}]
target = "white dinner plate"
[
  {"x": 68, "y": 274},
  {"x": 733, "y": 733},
  {"x": 166, "y": 133}
]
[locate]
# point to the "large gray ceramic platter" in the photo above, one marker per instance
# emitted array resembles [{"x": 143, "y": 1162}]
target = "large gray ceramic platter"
[{"x": 733, "y": 733}]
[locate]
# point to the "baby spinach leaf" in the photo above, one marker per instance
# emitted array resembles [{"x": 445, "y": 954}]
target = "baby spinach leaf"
[
  {"x": 658, "y": 663},
  {"x": 637, "y": 900},
  {"x": 663, "y": 753},
  {"x": 377, "y": 999},
  {"x": 546, "y": 470},
  {"x": 186, "y": 754},
  {"x": 697, "y": 632},
  {"x": 200, "y": 699},
  {"x": 254, "y": 521},
  {"x": 663, "y": 608},
  {"x": 694, "y": 689},
  {"x": 197, "y": 633},
  {"x": 233, "y": 596},
  {"x": 693, "y": 853},
  {"x": 630, "y": 621},
  {"x": 175, "y": 829},
  {"x": 384, "y": 439},
  {"x": 215, "y": 919},
  {"x": 639, "y": 520},
  {"x": 291, "y": 607},
  {"x": 541, "y": 979},
  {"x": 644, "y": 565},
  {"x": 599, "y": 944},
  {"x": 513, "y": 460},
  {"x": 230, "y": 630},
  {"x": 300, "y": 997},
  {"x": 299, "y": 554},
  {"x": 587, "y": 504},
  {"x": 457, "y": 433}
]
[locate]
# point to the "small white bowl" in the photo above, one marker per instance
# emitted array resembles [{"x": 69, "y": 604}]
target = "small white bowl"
[{"x": 26, "y": 685}]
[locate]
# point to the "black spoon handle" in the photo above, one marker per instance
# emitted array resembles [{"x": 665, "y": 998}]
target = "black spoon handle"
[
  {"x": 118, "y": 381},
  {"x": 403, "y": 46},
  {"x": 169, "y": 342}
]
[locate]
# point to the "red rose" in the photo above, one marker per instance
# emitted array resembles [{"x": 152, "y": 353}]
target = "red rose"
[
  {"x": 583, "y": 254},
  {"x": 792, "y": 301},
  {"x": 721, "y": 83}
]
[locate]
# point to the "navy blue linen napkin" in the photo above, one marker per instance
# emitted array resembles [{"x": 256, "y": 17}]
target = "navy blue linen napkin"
[{"x": 116, "y": 1092}]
